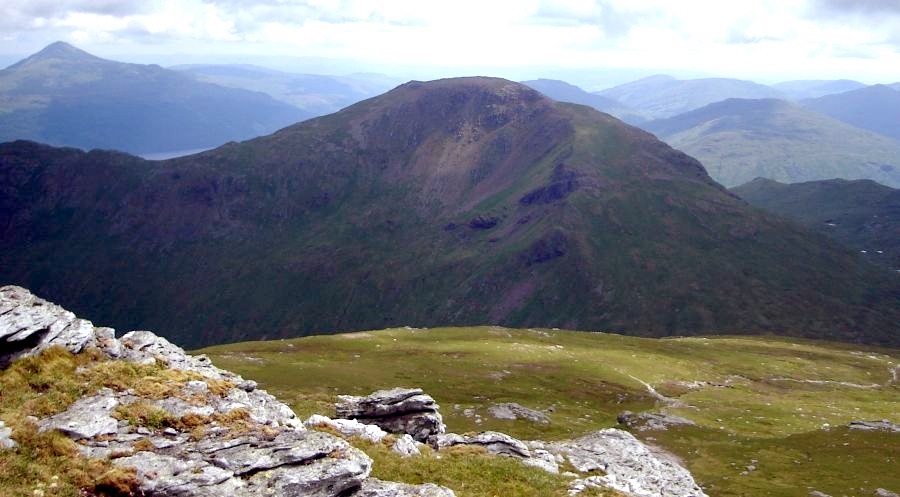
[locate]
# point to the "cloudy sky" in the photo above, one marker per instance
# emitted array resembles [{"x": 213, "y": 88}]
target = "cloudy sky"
[{"x": 593, "y": 42}]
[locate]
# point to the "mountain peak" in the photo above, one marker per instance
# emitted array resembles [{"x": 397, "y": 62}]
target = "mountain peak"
[{"x": 59, "y": 50}]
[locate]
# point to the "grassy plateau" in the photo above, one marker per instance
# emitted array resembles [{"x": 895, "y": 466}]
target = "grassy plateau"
[{"x": 778, "y": 406}]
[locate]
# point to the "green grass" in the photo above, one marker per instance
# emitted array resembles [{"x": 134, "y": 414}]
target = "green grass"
[{"x": 764, "y": 408}]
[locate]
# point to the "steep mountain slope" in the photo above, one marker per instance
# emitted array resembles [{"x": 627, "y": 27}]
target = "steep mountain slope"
[
  {"x": 64, "y": 96},
  {"x": 738, "y": 140},
  {"x": 863, "y": 214},
  {"x": 565, "y": 92},
  {"x": 875, "y": 108},
  {"x": 470, "y": 200},
  {"x": 664, "y": 96},
  {"x": 803, "y": 89},
  {"x": 313, "y": 93}
]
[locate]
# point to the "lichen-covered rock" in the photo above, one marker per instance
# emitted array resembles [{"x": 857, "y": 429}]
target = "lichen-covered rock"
[
  {"x": 629, "y": 465},
  {"x": 399, "y": 410},
  {"x": 406, "y": 446},
  {"x": 513, "y": 411},
  {"x": 88, "y": 417},
  {"x": 492, "y": 441},
  {"x": 347, "y": 427},
  {"x": 30, "y": 325},
  {"x": 651, "y": 421},
  {"x": 5, "y": 441},
  {"x": 377, "y": 488}
]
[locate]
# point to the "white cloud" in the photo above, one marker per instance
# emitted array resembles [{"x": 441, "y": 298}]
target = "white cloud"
[{"x": 763, "y": 39}]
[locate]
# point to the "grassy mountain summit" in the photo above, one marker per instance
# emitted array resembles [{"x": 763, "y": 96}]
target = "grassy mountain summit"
[
  {"x": 65, "y": 96},
  {"x": 863, "y": 214},
  {"x": 738, "y": 140},
  {"x": 459, "y": 201}
]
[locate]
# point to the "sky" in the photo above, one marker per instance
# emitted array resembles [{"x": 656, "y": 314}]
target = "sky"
[{"x": 594, "y": 43}]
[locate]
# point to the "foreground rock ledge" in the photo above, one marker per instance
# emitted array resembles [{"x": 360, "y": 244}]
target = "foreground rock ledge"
[{"x": 268, "y": 452}]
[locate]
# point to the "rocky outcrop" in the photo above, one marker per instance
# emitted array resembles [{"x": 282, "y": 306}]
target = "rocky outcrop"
[
  {"x": 651, "y": 421},
  {"x": 30, "y": 325},
  {"x": 211, "y": 435},
  {"x": 493, "y": 442},
  {"x": 513, "y": 411},
  {"x": 629, "y": 465},
  {"x": 881, "y": 425},
  {"x": 399, "y": 410},
  {"x": 378, "y": 488}
]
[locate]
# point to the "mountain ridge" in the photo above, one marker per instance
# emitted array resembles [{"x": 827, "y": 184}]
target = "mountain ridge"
[{"x": 459, "y": 201}]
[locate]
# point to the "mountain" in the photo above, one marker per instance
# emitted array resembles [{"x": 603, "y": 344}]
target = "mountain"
[
  {"x": 738, "y": 140},
  {"x": 472, "y": 200},
  {"x": 875, "y": 108},
  {"x": 664, "y": 96},
  {"x": 314, "y": 94},
  {"x": 565, "y": 92},
  {"x": 862, "y": 214},
  {"x": 804, "y": 89},
  {"x": 65, "y": 96}
]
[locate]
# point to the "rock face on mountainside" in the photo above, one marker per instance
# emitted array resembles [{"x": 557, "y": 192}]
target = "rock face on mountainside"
[
  {"x": 231, "y": 437},
  {"x": 453, "y": 202}
]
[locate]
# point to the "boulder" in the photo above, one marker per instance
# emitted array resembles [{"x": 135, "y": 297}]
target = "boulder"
[
  {"x": 630, "y": 466},
  {"x": 883, "y": 492},
  {"x": 399, "y": 410},
  {"x": 88, "y": 417},
  {"x": 347, "y": 427},
  {"x": 651, "y": 421},
  {"x": 882, "y": 425},
  {"x": 377, "y": 488},
  {"x": 406, "y": 446},
  {"x": 512, "y": 411},
  {"x": 492, "y": 441},
  {"x": 6, "y": 442}
]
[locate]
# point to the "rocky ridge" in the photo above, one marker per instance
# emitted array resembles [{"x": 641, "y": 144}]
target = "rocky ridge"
[
  {"x": 221, "y": 435},
  {"x": 248, "y": 443}
]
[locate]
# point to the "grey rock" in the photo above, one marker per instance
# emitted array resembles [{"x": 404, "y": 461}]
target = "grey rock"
[
  {"x": 347, "y": 427},
  {"x": 882, "y": 492},
  {"x": 251, "y": 454},
  {"x": 630, "y": 466},
  {"x": 652, "y": 421},
  {"x": 882, "y": 425},
  {"x": 399, "y": 410},
  {"x": 6, "y": 442},
  {"x": 512, "y": 411},
  {"x": 377, "y": 488},
  {"x": 542, "y": 459},
  {"x": 164, "y": 475},
  {"x": 492, "y": 441},
  {"x": 816, "y": 493},
  {"x": 30, "y": 325},
  {"x": 88, "y": 417},
  {"x": 406, "y": 446}
]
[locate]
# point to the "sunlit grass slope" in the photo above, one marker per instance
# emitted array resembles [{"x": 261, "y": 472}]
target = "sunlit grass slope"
[{"x": 782, "y": 403}]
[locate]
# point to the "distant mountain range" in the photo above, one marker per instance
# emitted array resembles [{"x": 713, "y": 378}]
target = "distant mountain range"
[
  {"x": 664, "y": 96},
  {"x": 738, "y": 140},
  {"x": 862, "y": 214},
  {"x": 460, "y": 201},
  {"x": 565, "y": 92},
  {"x": 805, "y": 89},
  {"x": 875, "y": 108},
  {"x": 312, "y": 93},
  {"x": 65, "y": 96}
]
